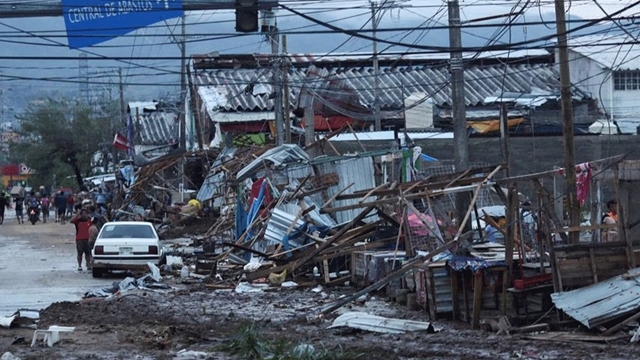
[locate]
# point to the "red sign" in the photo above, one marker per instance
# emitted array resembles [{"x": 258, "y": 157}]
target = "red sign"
[{"x": 10, "y": 169}]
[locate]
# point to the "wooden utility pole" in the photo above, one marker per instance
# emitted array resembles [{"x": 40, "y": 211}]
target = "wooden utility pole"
[
  {"x": 276, "y": 79},
  {"x": 504, "y": 134},
  {"x": 376, "y": 68},
  {"x": 123, "y": 116},
  {"x": 183, "y": 87},
  {"x": 285, "y": 84},
  {"x": 567, "y": 122},
  {"x": 460, "y": 137}
]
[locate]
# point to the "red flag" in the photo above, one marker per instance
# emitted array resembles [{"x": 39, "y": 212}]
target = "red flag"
[{"x": 121, "y": 142}]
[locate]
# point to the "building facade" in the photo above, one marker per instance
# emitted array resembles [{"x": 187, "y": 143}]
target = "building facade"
[{"x": 608, "y": 68}]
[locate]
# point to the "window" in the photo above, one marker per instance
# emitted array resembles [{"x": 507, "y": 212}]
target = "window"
[
  {"x": 626, "y": 80},
  {"x": 125, "y": 231}
]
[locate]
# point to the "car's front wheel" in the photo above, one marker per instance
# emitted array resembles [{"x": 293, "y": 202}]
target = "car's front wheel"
[{"x": 97, "y": 273}]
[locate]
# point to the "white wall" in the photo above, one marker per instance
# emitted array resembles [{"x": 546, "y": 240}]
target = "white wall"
[
  {"x": 591, "y": 77},
  {"x": 626, "y": 104}
]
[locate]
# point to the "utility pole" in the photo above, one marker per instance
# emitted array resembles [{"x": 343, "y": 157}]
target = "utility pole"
[
  {"x": 183, "y": 86},
  {"x": 285, "y": 84},
  {"x": 460, "y": 137},
  {"x": 272, "y": 24},
  {"x": 567, "y": 122},
  {"x": 504, "y": 134},
  {"x": 376, "y": 67},
  {"x": 123, "y": 115}
]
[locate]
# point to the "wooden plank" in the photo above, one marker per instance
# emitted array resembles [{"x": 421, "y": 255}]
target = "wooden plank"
[
  {"x": 477, "y": 299},
  {"x": 333, "y": 198},
  {"x": 388, "y": 218},
  {"x": 367, "y": 195},
  {"x": 594, "y": 268},
  {"x": 549, "y": 210},
  {"x": 572, "y": 337},
  {"x": 454, "y": 295},
  {"x": 585, "y": 228},
  {"x": 462, "y": 224},
  {"x": 621, "y": 324},
  {"x": 434, "y": 181},
  {"x": 332, "y": 239},
  {"x": 556, "y": 172}
]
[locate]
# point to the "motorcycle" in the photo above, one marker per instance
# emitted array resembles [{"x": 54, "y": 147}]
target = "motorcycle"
[{"x": 34, "y": 214}]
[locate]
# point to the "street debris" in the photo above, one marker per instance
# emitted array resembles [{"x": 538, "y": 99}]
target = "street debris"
[
  {"x": 150, "y": 281},
  {"x": 603, "y": 302},
  {"x": 21, "y": 318},
  {"x": 9, "y": 356},
  {"x": 373, "y": 323}
]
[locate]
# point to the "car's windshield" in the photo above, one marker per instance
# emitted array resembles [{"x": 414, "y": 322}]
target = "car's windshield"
[{"x": 112, "y": 231}]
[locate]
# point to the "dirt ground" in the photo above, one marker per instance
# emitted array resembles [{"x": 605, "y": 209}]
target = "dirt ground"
[{"x": 194, "y": 319}]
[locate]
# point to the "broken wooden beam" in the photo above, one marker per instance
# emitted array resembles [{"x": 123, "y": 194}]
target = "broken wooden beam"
[
  {"x": 621, "y": 324},
  {"x": 408, "y": 266}
]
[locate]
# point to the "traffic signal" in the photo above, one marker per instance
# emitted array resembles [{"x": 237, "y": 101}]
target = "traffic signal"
[{"x": 246, "y": 15}]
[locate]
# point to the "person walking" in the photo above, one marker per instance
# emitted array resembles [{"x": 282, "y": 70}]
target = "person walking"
[
  {"x": 19, "y": 205},
  {"x": 44, "y": 207},
  {"x": 70, "y": 203},
  {"x": 82, "y": 223},
  {"x": 60, "y": 202},
  {"x": 4, "y": 203}
]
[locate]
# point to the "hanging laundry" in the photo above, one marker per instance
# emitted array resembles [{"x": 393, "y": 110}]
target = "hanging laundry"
[{"x": 583, "y": 181}]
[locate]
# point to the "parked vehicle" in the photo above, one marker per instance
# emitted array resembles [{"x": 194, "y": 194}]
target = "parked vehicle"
[{"x": 126, "y": 245}]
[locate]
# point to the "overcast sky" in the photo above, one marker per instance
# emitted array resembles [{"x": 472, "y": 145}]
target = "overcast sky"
[{"x": 45, "y": 37}]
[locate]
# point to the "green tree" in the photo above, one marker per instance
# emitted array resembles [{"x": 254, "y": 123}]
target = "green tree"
[{"x": 59, "y": 138}]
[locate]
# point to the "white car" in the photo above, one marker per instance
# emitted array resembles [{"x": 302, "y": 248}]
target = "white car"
[{"x": 126, "y": 245}]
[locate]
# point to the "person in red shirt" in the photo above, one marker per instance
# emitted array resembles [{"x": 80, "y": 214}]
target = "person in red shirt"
[{"x": 82, "y": 223}]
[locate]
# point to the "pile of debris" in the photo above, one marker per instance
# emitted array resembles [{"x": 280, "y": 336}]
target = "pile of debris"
[{"x": 281, "y": 215}]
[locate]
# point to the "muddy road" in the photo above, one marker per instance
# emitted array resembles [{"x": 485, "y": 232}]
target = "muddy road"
[
  {"x": 38, "y": 266},
  {"x": 193, "y": 320}
]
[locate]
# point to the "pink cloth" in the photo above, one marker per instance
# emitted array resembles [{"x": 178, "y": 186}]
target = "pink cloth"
[
  {"x": 417, "y": 226},
  {"x": 583, "y": 181}
]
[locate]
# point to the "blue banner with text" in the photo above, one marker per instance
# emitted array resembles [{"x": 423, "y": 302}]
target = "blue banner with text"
[{"x": 90, "y": 22}]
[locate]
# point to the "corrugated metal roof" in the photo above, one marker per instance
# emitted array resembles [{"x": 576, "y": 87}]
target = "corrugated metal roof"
[
  {"x": 304, "y": 59},
  {"x": 358, "y": 171},
  {"x": 618, "y": 52},
  {"x": 598, "y": 303},
  {"x": 156, "y": 128},
  {"x": 282, "y": 155},
  {"x": 214, "y": 182},
  {"x": 314, "y": 58},
  {"x": 357, "y": 84},
  {"x": 277, "y": 227}
]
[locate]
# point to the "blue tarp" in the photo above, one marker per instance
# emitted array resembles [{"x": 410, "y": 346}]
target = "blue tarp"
[
  {"x": 428, "y": 158},
  {"x": 254, "y": 210},
  {"x": 241, "y": 218}
]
